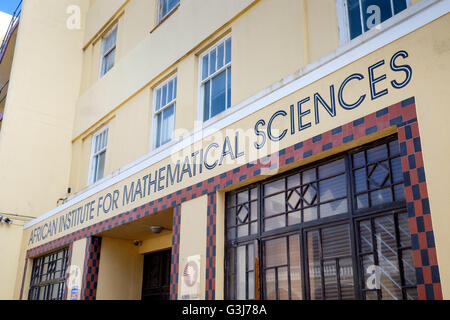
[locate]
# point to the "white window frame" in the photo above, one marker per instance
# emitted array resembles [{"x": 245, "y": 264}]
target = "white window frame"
[
  {"x": 162, "y": 17},
  {"x": 103, "y": 55},
  {"x": 201, "y": 91},
  {"x": 343, "y": 20},
  {"x": 95, "y": 155},
  {"x": 155, "y": 112}
]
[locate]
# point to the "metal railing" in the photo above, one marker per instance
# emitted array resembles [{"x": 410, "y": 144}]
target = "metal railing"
[{"x": 14, "y": 18}]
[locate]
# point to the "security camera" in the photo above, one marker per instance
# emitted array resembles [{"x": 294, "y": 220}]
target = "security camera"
[
  {"x": 137, "y": 243},
  {"x": 8, "y": 221}
]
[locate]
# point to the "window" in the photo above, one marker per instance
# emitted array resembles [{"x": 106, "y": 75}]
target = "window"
[
  {"x": 98, "y": 157},
  {"x": 48, "y": 276},
  {"x": 320, "y": 232},
  {"x": 108, "y": 51},
  {"x": 363, "y": 15},
  {"x": 215, "y": 82},
  {"x": 166, "y": 7},
  {"x": 164, "y": 111}
]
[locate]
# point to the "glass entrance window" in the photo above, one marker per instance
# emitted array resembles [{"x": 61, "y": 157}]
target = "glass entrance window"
[
  {"x": 48, "y": 276},
  {"x": 156, "y": 282},
  {"x": 333, "y": 230}
]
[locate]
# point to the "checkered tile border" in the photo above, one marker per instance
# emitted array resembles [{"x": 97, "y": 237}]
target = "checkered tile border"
[
  {"x": 418, "y": 204},
  {"x": 175, "y": 253},
  {"x": 91, "y": 266},
  {"x": 210, "y": 293},
  {"x": 401, "y": 115}
]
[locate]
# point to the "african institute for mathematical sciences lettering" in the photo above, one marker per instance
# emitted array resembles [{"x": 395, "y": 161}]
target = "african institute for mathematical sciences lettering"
[{"x": 241, "y": 149}]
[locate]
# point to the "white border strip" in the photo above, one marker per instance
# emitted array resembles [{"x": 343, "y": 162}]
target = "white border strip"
[{"x": 420, "y": 15}]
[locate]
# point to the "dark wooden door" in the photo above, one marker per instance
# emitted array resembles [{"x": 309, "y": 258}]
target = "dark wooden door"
[{"x": 156, "y": 280}]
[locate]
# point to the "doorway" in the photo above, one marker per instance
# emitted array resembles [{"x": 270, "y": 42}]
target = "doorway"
[{"x": 156, "y": 282}]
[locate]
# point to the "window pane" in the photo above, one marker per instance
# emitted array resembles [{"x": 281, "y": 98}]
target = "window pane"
[
  {"x": 253, "y": 211},
  {"x": 394, "y": 148},
  {"x": 399, "y": 5},
  {"x": 309, "y": 194},
  {"x": 242, "y": 230},
  {"x": 333, "y": 208},
  {"x": 242, "y": 214},
  {"x": 275, "y": 253},
  {"x": 330, "y": 277},
  {"x": 228, "y": 87},
  {"x": 336, "y": 241},
  {"x": 315, "y": 278},
  {"x": 354, "y": 15},
  {"x": 274, "y": 205},
  {"x": 251, "y": 285},
  {"x": 206, "y": 100},
  {"x": 109, "y": 41},
  {"x": 399, "y": 193},
  {"x": 375, "y": 12},
  {"x": 359, "y": 160},
  {"x": 309, "y": 176},
  {"x": 274, "y": 187},
  {"x": 166, "y": 6},
  {"x": 360, "y": 180},
  {"x": 101, "y": 165},
  {"x": 228, "y": 51},
  {"x": 332, "y": 169},
  {"x": 333, "y": 188},
  {"x": 381, "y": 196},
  {"x": 365, "y": 236},
  {"x": 283, "y": 284},
  {"x": 220, "y": 56},
  {"x": 212, "y": 61},
  {"x": 295, "y": 269},
  {"x": 346, "y": 279},
  {"x": 164, "y": 96},
  {"x": 408, "y": 268},
  {"x": 377, "y": 154},
  {"x": 240, "y": 273},
  {"x": 205, "y": 65},
  {"x": 271, "y": 293},
  {"x": 397, "y": 171},
  {"x": 379, "y": 175},
  {"x": 170, "y": 92},
  {"x": 158, "y": 99},
  {"x": 159, "y": 129},
  {"x": 387, "y": 258},
  {"x": 168, "y": 124},
  {"x": 218, "y": 92},
  {"x": 403, "y": 230},
  {"x": 175, "y": 85},
  {"x": 310, "y": 214},
  {"x": 275, "y": 223},
  {"x": 242, "y": 197},
  {"x": 294, "y": 199},
  {"x": 108, "y": 61}
]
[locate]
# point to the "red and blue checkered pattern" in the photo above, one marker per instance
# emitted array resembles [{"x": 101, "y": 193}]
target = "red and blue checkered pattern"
[{"x": 91, "y": 266}]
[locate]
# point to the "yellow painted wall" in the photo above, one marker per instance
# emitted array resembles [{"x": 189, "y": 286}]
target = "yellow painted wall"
[
  {"x": 154, "y": 54},
  {"x": 10, "y": 239},
  {"x": 193, "y": 237},
  {"x": 35, "y": 143},
  {"x": 5, "y": 69},
  {"x": 157, "y": 243},
  {"x": 120, "y": 270}
]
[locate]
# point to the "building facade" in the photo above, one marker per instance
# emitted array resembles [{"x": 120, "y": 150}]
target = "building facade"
[{"x": 239, "y": 149}]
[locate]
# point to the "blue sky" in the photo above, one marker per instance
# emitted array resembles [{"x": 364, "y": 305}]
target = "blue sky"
[{"x": 8, "y": 6}]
